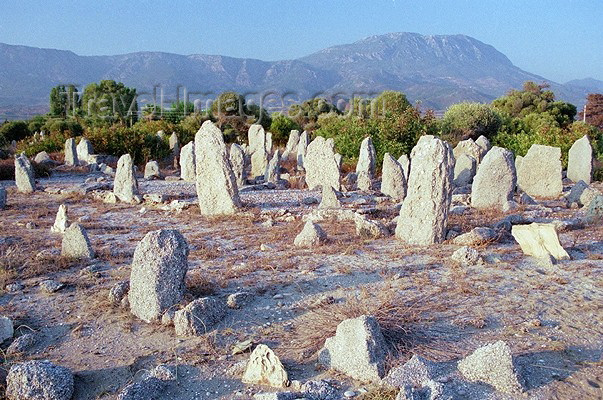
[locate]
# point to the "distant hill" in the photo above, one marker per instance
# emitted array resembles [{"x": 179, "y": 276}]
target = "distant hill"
[{"x": 435, "y": 70}]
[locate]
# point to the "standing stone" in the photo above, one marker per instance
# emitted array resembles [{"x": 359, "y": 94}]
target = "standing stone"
[
  {"x": 291, "y": 148},
  {"x": 265, "y": 368},
  {"x": 216, "y": 184},
  {"x": 539, "y": 174},
  {"x": 76, "y": 243},
  {"x": 393, "y": 181},
  {"x": 151, "y": 170},
  {"x": 84, "y": 150},
  {"x": 302, "y": 149},
  {"x": 61, "y": 222},
  {"x": 470, "y": 148},
  {"x": 43, "y": 158},
  {"x": 405, "y": 163},
  {"x": 484, "y": 143},
  {"x": 70, "y": 152},
  {"x": 272, "y": 170},
  {"x": 157, "y": 276},
  {"x": 187, "y": 162},
  {"x": 237, "y": 162},
  {"x": 312, "y": 235},
  {"x": 257, "y": 150},
  {"x": 268, "y": 143},
  {"x": 357, "y": 350},
  {"x": 518, "y": 161},
  {"x": 366, "y": 158},
  {"x": 174, "y": 145},
  {"x": 2, "y": 198},
  {"x": 329, "y": 198},
  {"x": 580, "y": 161},
  {"x": 338, "y": 160},
  {"x": 464, "y": 170},
  {"x": 24, "y": 175},
  {"x": 39, "y": 380},
  {"x": 125, "y": 185},
  {"x": 364, "y": 181},
  {"x": 495, "y": 180},
  {"x": 320, "y": 164},
  {"x": 424, "y": 213}
]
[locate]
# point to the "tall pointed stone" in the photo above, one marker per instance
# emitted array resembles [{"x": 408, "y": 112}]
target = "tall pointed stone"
[
  {"x": 393, "y": 181},
  {"x": 366, "y": 158},
  {"x": 70, "y": 152},
  {"x": 187, "y": 162},
  {"x": 470, "y": 148},
  {"x": 302, "y": 148},
  {"x": 61, "y": 221},
  {"x": 405, "y": 163},
  {"x": 273, "y": 170},
  {"x": 320, "y": 164},
  {"x": 84, "y": 150},
  {"x": 580, "y": 161},
  {"x": 125, "y": 185},
  {"x": 291, "y": 148},
  {"x": 174, "y": 145},
  {"x": 495, "y": 181},
  {"x": 539, "y": 173},
  {"x": 24, "y": 175},
  {"x": 424, "y": 213},
  {"x": 216, "y": 184},
  {"x": 257, "y": 150},
  {"x": 76, "y": 243},
  {"x": 237, "y": 162}
]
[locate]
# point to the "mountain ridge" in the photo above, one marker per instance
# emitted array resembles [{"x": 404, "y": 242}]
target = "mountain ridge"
[{"x": 435, "y": 70}]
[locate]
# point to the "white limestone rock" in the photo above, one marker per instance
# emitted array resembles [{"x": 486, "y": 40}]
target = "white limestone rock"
[
  {"x": 393, "y": 178},
  {"x": 61, "y": 221},
  {"x": 265, "y": 368},
  {"x": 464, "y": 170},
  {"x": 24, "y": 175},
  {"x": 580, "y": 161},
  {"x": 312, "y": 235},
  {"x": 539, "y": 240},
  {"x": 495, "y": 181},
  {"x": 187, "y": 162},
  {"x": 125, "y": 185},
  {"x": 237, "y": 162},
  {"x": 320, "y": 164},
  {"x": 291, "y": 148},
  {"x": 75, "y": 243},
  {"x": 539, "y": 173},
  {"x": 302, "y": 149},
  {"x": 366, "y": 158},
  {"x": 151, "y": 170}
]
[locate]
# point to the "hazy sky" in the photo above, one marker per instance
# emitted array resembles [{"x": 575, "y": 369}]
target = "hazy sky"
[{"x": 558, "y": 39}]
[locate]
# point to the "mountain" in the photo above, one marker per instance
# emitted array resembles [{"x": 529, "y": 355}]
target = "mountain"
[
  {"x": 435, "y": 70},
  {"x": 594, "y": 85}
]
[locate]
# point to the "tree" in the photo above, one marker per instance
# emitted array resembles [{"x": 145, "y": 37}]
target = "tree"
[
  {"x": 110, "y": 101},
  {"x": 281, "y": 127},
  {"x": 229, "y": 104},
  {"x": 306, "y": 114},
  {"x": 470, "y": 120},
  {"x": 594, "y": 110},
  {"x": 14, "y": 130},
  {"x": 64, "y": 101}
]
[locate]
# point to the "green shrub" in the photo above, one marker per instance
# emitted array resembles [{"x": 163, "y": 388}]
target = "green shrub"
[
  {"x": 14, "y": 130},
  {"x": 281, "y": 127},
  {"x": 189, "y": 126},
  {"x": 71, "y": 127},
  {"x": 469, "y": 120},
  {"x": 118, "y": 139},
  {"x": 52, "y": 143}
]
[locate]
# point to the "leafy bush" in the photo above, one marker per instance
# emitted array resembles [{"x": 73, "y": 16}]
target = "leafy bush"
[
  {"x": 53, "y": 142},
  {"x": 469, "y": 120},
  {"x": 13, "y": 130},
  {"x": 189, "y": 126},
  {"x": 281, "y": 127},
  {"x": 71, "y": 127}
]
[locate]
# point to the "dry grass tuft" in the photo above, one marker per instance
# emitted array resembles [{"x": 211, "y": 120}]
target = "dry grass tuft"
[
  {"x": 403, "y": 321},
  {"x": 198, "y": 285},
  {"x": 379, "y": 393}
]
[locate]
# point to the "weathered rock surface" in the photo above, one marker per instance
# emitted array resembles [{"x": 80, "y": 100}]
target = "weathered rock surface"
[
  {"x": 366, "y": 158},
  {"x": 151, "y": 170},
  {"x": 484, "y": 143},
  {"x": 6, "y": 329},
  {"x": 358, "y": 350},
  {"x": 125, "y": 185},
  {"x": 539, "y": 173},
  {"x": 39, "y": 380},
  {"x": 320, "y": 164},
  {"x": 369, "y": 229},
  {"x": 257, "y": 150},
  {"x": 464, "y": 169},
  {"x": 71, "y": 152},
  {"x": 291, "y": 148},
  {"x": 187, "y": 162},
  {"x": 61, "y": 221},
  {"x": 405, "y": 163},
  {"x": 580, "y": 161},
  {"x": 273, "y": 169},
  {"x": 364, "y": 181},
  {"x": 237, "y": 162},
  {"x": 84, "y": 150},
  {"x": 157, "y": 277},
  {"x": 265, "y": 368},
  {"x": 76, "y": 243},
  {"x": 24, "y": 175},
  {"x": 216, "y": 183},
  {"x": 302, "y": 148},
  {"x": 582, "y": 194},
  {"x": 476, "y": 236},
  {"x": 199, "y": 316},
  {"x": 470, "y": 148},
  {"x": 393, "y": 178},
  {"x": 539, "y": 240},
  {"x": 495, "y": 181},
  {"x": 329, "y": 198},
  {"x": 424, "y": 213},
  {"x": 312, "y": 235},
  {"x": 466, "y": 256},
  {"x": 492, "y": 364}
]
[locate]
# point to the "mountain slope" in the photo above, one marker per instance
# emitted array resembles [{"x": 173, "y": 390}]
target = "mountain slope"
[{"x": 435, "y": 70}]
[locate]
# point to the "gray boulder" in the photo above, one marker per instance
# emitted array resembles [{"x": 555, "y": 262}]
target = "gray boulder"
[
  {"x": 292, "y": 143},
  {"x": 320, "y": 164},
  {"x": 125, "y": 185},
  {"x": 366, "y": 158},
  {"x": 75, "y": 243},
  {"x": 476, "y": 236},
  {"x": 464, "y": 170},
  {"x": 357, "y": 350},
  {"x": 6, "y": 329},
  {"x": 539, "y": 173},
  {"x": 84, "y": 150},
  {"x": 329, "y": 198},
  {"x": 302, "y": 148},
  {"x": 273, "y": 170},
  {"x": 24, "y": 175},
  {"x": 39, "y": 380},
  {"x": 495, "y": 181},
  {"x": 393, "y": 178},
  {"x": 199, "y": 317},
  {"x": 312, "y": 235},
  {"x": 187, "y": 162},
  {"x": 151, "y": 170},
  {"x": 71, "y": 152},
  {"x": 157, "y": 276},
  {"x": 237, "y": 162}
]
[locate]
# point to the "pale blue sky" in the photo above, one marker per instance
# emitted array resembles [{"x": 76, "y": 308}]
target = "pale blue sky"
[{"x": 558, "y": 39}]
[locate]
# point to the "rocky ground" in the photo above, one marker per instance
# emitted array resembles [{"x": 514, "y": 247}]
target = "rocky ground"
[{"x": 550, "y": 314}]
